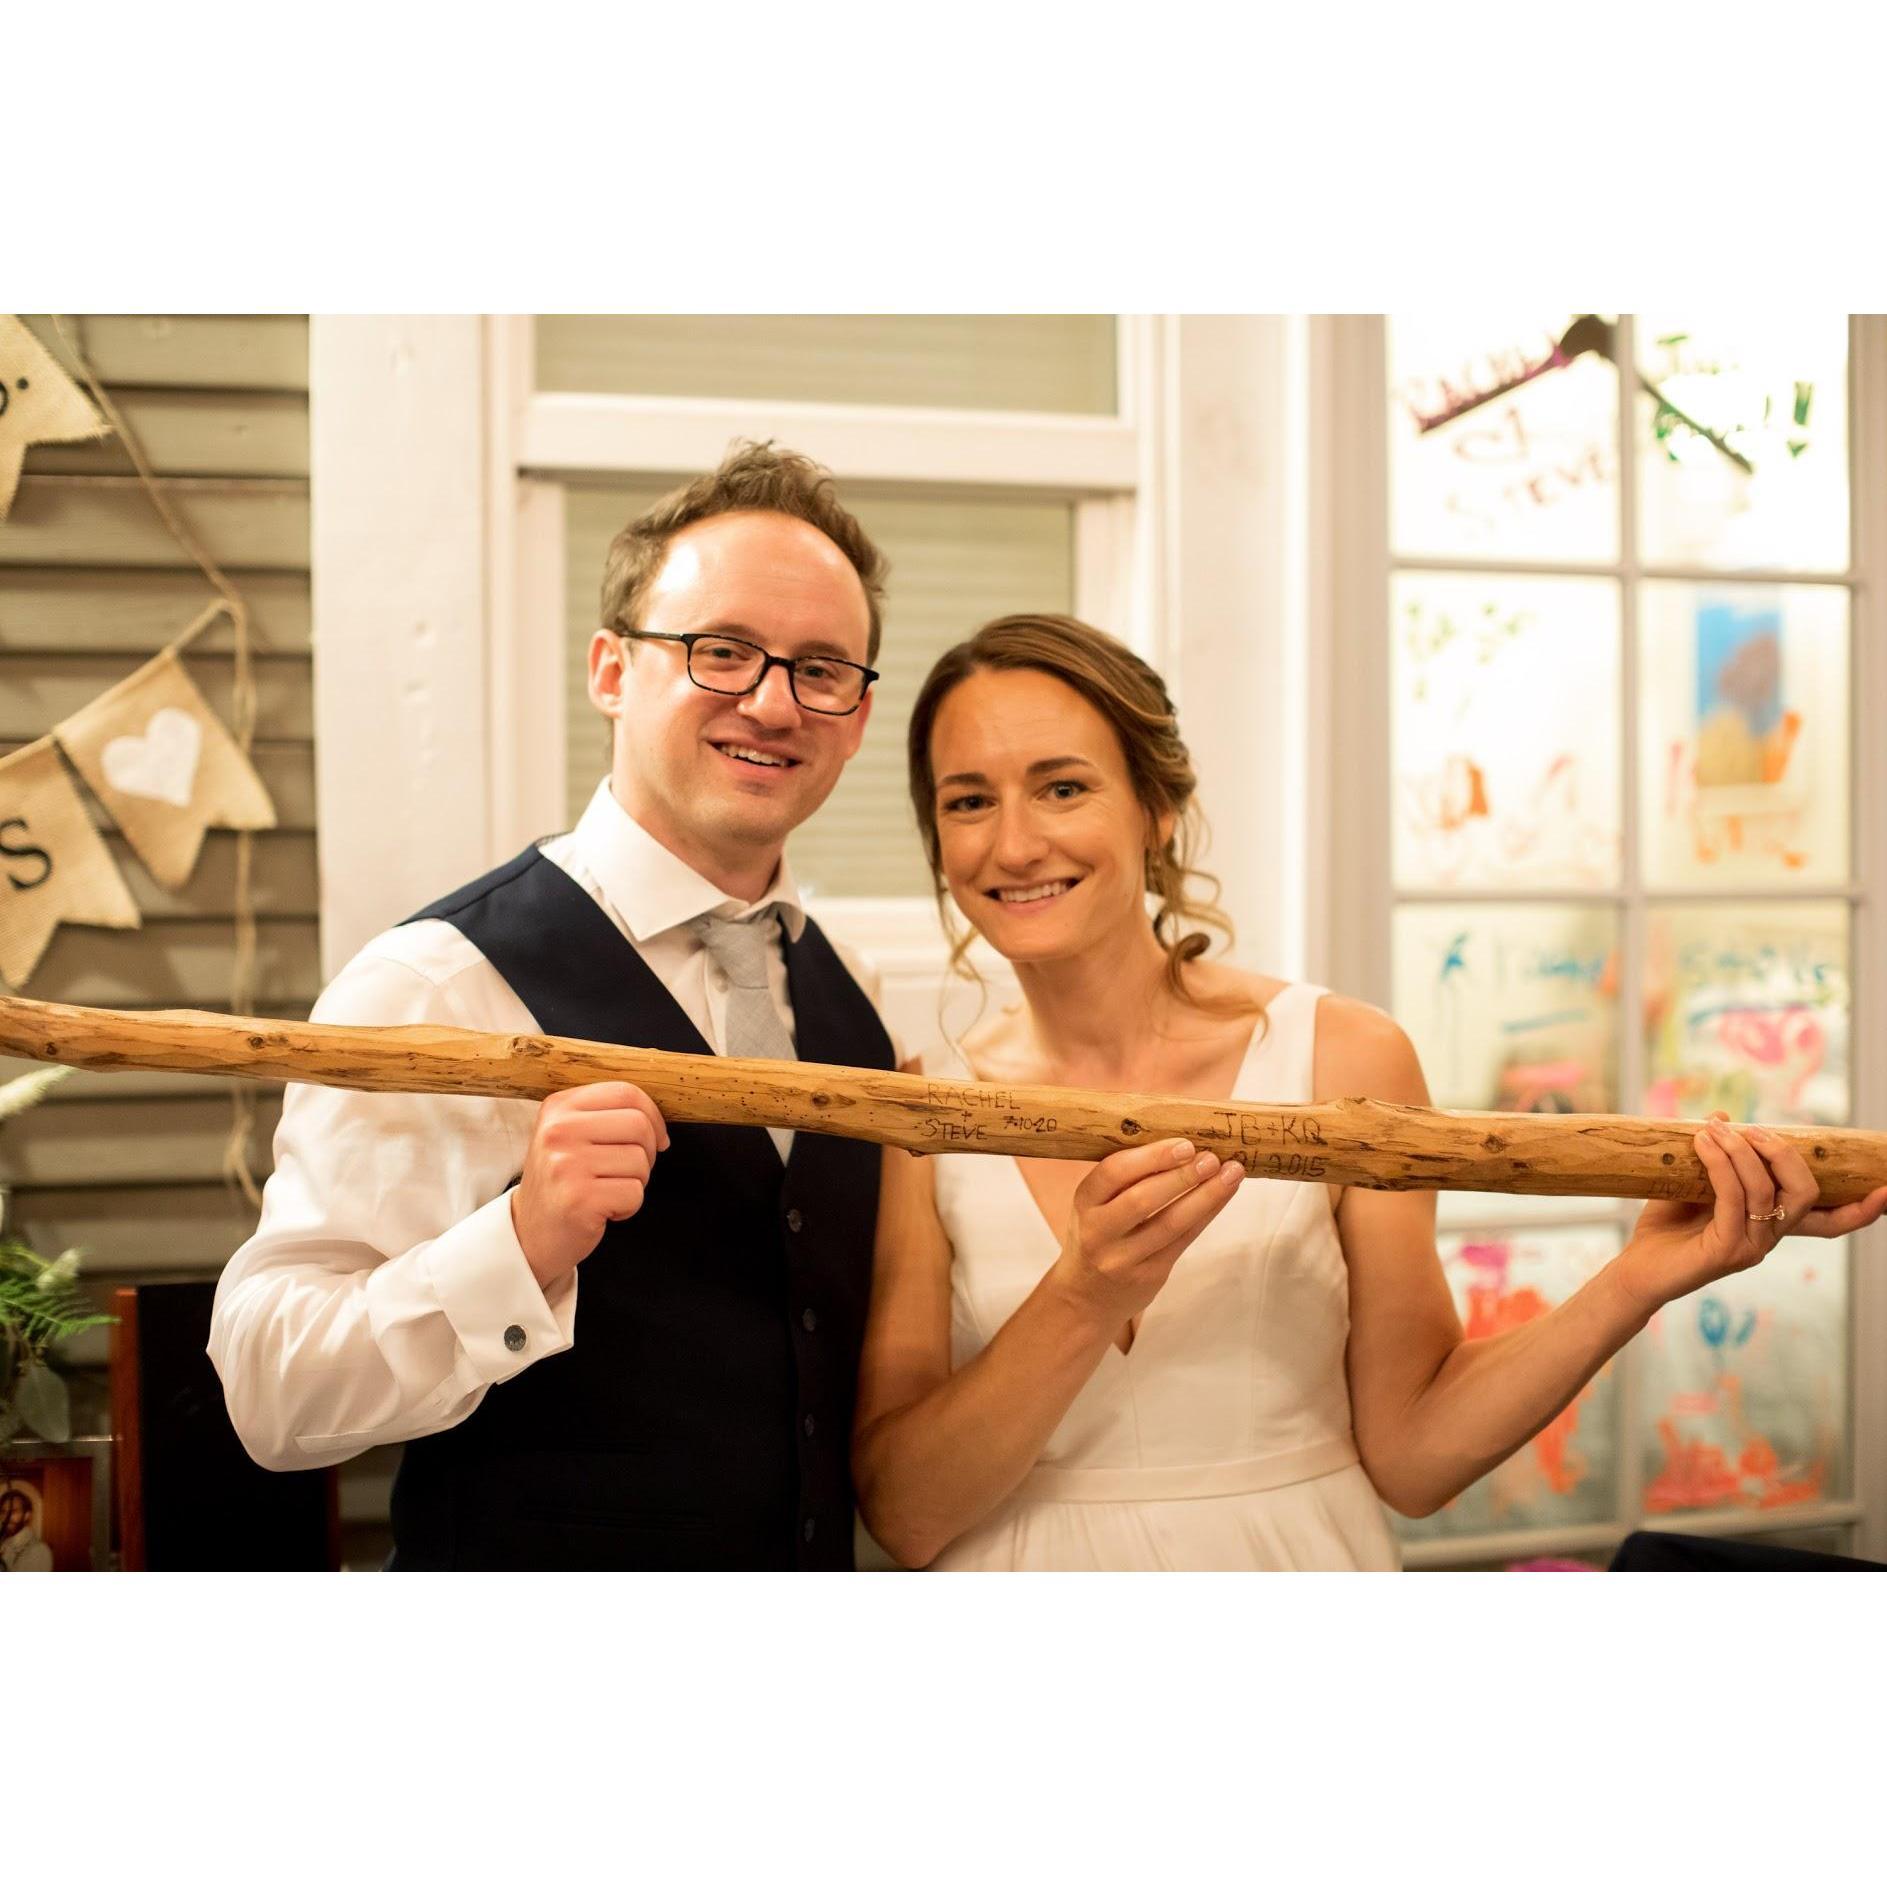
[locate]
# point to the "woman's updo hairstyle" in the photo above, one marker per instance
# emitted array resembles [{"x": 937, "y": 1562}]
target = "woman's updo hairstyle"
[{"x": 1132, "y": 698}]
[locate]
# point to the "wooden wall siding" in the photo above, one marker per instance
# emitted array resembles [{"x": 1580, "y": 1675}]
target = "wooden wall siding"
[
  {"x": 91, "y": 584},
  {"x": 130, "y": 612},
  {"x": 259, "y": 353},
  {"x": 132, "y": 1232},
  {"x": 244, "y": 435},
  {"x": 38, "y": 690},
  {"x": 282, "y": 880},
  {"x": 108, "y": 522},
  {"x": 154, "y": 1142},
  {"x": 175, "y": 963}
]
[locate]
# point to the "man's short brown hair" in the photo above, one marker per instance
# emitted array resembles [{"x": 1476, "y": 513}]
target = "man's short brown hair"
[{"x": 754, "y": 476}]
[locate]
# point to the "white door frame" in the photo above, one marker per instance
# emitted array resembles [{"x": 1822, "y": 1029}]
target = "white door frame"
[{"x": 402, "y": 675}]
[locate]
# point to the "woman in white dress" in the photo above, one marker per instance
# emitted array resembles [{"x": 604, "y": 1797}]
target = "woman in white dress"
[{"x": 1156, "y": 1361}]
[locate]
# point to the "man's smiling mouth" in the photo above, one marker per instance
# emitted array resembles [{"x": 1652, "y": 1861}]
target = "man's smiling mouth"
[{"x": 753, "y": 757}]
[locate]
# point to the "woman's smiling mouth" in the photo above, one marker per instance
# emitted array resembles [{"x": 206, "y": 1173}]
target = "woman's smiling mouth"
[{"x": 1025, "y": 895}]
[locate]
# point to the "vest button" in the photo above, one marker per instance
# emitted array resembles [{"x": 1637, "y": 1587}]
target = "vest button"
[
  {"x": 514, "y": 1338},
  {"x": 808, "y": 1424},
  {"x": 806, "y": 1532},
  {"x": 793, "y": 1219},
  {"x": 809, "y": 1318}
]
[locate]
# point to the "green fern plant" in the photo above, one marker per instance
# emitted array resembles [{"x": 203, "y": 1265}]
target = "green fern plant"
[{"x": 40, "y": 1306}]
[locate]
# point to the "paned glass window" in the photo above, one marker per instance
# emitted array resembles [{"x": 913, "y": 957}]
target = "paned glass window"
[{"x": 1620, "y": 827}]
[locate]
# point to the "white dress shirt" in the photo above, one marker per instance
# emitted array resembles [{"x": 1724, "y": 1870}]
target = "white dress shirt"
[{"x": 385, "y": 1290}]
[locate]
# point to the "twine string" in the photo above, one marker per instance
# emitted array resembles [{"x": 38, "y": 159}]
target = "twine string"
[{"x": 237, "y": 1168}]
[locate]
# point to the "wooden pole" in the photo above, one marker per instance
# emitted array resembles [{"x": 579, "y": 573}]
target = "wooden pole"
[{"x": 1350, "y": 1143}]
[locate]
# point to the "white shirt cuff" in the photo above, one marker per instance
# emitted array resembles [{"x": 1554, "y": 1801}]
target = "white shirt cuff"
[{"x": 492, "y": 1299}]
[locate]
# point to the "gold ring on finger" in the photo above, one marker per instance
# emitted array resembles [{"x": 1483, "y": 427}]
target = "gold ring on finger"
[{"x": 1764, "y": 1218}]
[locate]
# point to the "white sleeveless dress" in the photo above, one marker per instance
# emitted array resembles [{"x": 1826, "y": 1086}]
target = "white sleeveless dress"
[{"x": 1222, "y": 1439}]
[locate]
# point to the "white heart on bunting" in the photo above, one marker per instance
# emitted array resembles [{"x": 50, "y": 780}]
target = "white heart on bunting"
[{"x": 160, "y": 763}]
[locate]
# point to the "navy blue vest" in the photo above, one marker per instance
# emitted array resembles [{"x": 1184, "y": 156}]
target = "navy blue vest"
[{"x": 703, "y": 1416}]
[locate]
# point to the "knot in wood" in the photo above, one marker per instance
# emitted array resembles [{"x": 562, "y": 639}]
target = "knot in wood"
[{"x": 1130, "y": 1126}]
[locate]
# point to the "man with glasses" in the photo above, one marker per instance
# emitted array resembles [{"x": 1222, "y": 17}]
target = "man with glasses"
[{"x": 414, "y": 1277}]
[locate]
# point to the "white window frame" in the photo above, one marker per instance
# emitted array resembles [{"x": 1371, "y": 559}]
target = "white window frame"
[
  {"x": 546, "y": 438},
  {"x": 439, "y": 589},
  {"x": 1349, "y": 385}
]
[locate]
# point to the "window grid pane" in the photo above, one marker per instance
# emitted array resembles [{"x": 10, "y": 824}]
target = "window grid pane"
[
  {"x": 990, "y": 363},
  {"x": 1566, "y": 1475},
  {"x": 1505, "y": 738}
]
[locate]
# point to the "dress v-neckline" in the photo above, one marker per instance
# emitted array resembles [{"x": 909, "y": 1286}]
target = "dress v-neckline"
[{"x": 1260, "y": 1032}]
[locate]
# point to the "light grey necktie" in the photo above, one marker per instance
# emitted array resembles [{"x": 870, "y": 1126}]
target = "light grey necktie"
[{"x": 737, "y": 947}]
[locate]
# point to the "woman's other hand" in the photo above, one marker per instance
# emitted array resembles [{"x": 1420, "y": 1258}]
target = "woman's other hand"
[{"x": 1764, "y": 1194}]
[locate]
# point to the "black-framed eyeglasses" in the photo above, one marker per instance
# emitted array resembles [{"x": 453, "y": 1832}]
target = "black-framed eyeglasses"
[{"x": 725, "y": 665}]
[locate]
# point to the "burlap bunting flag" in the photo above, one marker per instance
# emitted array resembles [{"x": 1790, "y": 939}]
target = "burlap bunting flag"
[
  {"x": 165, "y": 766},
  {"x": 38, "y": 404},
  {"x": 54, "y": 869}
]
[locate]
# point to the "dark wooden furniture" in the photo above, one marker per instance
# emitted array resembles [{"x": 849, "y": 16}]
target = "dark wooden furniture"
[{"x": 189, "y": 1497}]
